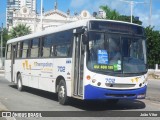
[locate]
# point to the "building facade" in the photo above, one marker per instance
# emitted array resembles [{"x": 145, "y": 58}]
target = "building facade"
[
  {"x": 24, "y": 12},
  {"x": 52, "y": 18},
  {"x": 16, "y": 5}
]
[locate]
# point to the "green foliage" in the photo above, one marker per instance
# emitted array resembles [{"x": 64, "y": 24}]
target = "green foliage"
[
  {"x": 153, "y": 46},
  {"x": 20, "y": 30},
  {"x": 5, "y": 38},
  {"x": 110, "y": 14},
  {"x": 128, "y": 19},
  {"x": 114, "y": 15}
]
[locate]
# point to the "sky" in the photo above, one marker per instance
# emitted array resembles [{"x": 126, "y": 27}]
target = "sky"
[{"x": 141, "y": 8}]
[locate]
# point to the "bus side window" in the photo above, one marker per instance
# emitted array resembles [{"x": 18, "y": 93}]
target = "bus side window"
[
  {"x": 62, "y": 50},
  {"x": 34, "y": 48},
  {"x": 46, "y": 47},
  {"x": 25, "y": 48},
  {"x": 53, "y": 53}
]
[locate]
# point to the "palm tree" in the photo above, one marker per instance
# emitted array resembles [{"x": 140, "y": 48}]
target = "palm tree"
[{"x": 20, "y": 30}]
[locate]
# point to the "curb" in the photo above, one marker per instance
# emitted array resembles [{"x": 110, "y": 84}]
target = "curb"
[{"x": 3, "y": 108}]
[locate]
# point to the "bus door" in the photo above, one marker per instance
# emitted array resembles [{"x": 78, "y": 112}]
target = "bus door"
[
  {"x": 78, "y": 59},
  {"x": 13, "y": 55}
]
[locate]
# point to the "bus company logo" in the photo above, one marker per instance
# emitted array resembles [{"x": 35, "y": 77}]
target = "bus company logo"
[
  {"x": 135, "y": 79},
  {"x": 26, "y": 65},
  {"x": 44, "y": 65}
]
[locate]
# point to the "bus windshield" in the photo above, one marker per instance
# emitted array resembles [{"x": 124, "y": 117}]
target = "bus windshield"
[{"x": 116, "y": 53}]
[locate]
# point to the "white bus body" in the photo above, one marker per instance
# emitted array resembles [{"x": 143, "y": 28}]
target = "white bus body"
[{"x": 63, "y": 67}]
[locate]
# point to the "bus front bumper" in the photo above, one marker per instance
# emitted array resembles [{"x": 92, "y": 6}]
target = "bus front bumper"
[{"x": 92, "y": 92}]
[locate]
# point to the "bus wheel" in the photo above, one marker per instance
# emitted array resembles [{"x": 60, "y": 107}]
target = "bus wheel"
[
  {"x": 19, "y": 83},
  {"x": 62, "y": 93}
]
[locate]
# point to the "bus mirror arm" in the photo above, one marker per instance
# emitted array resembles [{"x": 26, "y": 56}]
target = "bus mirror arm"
[{"x": 84, "y": 39}]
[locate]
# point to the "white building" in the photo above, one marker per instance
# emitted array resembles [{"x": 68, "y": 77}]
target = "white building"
[
  {"x": 16, "y": 5},
  {"x": 50, "y": 18}
]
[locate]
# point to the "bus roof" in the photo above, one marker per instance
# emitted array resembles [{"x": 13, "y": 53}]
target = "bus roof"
[{"x": 61, "y": 28}]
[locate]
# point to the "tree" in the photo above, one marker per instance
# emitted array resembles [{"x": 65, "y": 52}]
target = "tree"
[
  {"x": 153, "y": 49},
  {"x": 128, "y": 19},
  {"x": 114, "y": 15},
  {"x": 110, "y": 14},
  {"x": 5, "y": 38},
  {"x": 20, "y": 30}
]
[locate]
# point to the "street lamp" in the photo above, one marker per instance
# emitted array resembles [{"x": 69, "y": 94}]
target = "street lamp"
[{"x": 132, "y": 2}]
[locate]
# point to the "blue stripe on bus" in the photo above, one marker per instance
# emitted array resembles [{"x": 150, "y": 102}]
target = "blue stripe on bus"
[{"x": 92, "y": 92}]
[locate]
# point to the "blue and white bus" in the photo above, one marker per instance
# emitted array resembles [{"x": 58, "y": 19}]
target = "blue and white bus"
[{"x": 89, "y": 59}]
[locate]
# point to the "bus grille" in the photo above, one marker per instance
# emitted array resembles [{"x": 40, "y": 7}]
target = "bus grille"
[{"x": 120, "y": 85}]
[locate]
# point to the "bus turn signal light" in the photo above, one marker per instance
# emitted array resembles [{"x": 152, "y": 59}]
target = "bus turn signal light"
[{"x": 88, "y": 77}]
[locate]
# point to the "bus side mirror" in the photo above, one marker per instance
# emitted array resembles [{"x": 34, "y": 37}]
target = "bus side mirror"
[{"x": 85, "y": 39}]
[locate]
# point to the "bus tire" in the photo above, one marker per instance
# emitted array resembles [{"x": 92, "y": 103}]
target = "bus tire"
[
  {"x": 62, "y": 93},
  {"x": 19, "y": 83}
]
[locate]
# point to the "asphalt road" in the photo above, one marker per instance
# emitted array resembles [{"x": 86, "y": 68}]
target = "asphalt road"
[
  {"x": 153, "y": 91},
  {"x": 37, "y": 100}
]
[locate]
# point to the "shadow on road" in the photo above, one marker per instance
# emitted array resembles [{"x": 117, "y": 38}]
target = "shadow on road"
[
  {"x": 89, "y": 105},
  {"x": 104, "y": 105}
]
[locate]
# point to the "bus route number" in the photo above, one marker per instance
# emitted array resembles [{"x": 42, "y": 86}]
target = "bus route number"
[
  {"x": 110, "y": 80},
  {"x": 61, "y": 68}
]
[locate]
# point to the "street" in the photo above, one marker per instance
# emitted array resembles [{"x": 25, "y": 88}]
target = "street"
[{"x": 36, "y": 100}]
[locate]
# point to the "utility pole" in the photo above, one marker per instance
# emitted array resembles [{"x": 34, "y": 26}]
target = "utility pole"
[
  {"x": 150, "y": 15},
  {"x": 41, "y": 23},
  {"x": 132, "y": 2}
]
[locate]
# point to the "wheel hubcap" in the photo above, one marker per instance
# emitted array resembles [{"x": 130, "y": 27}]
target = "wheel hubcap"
[
  {"x": 19, "y": 84},
  {"x": 61, "y": 92}
]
